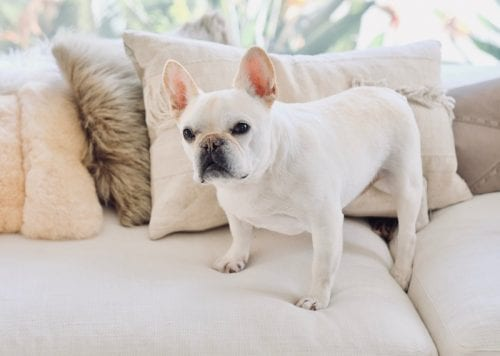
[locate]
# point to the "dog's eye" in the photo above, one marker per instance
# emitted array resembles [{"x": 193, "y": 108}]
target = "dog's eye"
[
  {"x": 240, "y": 128},
  {"x": 188, "y": 135}
]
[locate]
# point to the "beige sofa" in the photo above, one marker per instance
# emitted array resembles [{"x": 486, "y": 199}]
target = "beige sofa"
[{"x": 121, "y": 293}]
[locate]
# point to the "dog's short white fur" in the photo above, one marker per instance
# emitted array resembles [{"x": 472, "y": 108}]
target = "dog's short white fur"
[{"x": 293, "y": 167}]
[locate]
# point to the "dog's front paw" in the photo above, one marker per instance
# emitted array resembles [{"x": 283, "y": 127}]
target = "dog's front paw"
[
  {"x": 312, "y": 303},
  {"x": 227, "y": 264},
  {"x": 403, "y": 278}
]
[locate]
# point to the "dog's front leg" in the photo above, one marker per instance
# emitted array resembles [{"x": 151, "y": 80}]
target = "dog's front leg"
[
  {"x": 327, "y": 252},
  {"x": 236, "y": 257}
]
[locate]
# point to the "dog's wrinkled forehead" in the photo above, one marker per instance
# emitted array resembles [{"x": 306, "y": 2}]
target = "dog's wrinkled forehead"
[{"x": 216, "y": 110}]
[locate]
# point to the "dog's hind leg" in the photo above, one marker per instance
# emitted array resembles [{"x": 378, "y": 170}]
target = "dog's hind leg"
[{"x": 407, "y": 193}]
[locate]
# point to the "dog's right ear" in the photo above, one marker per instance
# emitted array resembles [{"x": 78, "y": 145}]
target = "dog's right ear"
[
  {"x": 256, "y": 75},
  {"x": 179, "y": 86}
]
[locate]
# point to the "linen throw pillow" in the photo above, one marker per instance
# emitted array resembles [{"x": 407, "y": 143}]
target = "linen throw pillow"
[
  {"x": 477, "y": 134},
  {"x": 413, "y": 70}
]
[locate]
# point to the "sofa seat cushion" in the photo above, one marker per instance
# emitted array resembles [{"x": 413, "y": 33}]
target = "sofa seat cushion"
[
  {"x": 456, "y": 279},
  {"x": 121, "y": 293}
]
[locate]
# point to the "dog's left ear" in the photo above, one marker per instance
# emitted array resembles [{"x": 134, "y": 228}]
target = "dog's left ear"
[
  {"x": 179, "y": 86},
  {"x": 256, "y": 75}
]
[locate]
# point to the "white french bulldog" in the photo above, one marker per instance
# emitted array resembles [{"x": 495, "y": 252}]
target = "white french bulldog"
[{"x": 293, "y": 167}]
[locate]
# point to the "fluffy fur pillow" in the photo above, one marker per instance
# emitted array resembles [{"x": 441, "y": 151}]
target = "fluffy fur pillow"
[{"x": 109, "y": 96}]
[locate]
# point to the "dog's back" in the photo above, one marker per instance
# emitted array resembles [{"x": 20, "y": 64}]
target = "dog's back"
[{"x": 359, "y": 132}]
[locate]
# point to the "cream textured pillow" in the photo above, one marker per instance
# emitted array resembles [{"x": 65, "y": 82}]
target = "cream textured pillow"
[
  {"x": 413, "y": 70},
  {"x": 11, "y": 166},
  {"x": 60, "y": 196},
  {"x": 46, "y": 192}
]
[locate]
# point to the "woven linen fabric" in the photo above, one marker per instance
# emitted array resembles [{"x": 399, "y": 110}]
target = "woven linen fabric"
[
  {"x": 455, "y": 284},
  {"x": 123, "y": 294}
]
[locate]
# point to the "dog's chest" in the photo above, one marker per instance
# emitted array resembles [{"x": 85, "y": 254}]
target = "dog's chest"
[{"x": 267, "y": 213}]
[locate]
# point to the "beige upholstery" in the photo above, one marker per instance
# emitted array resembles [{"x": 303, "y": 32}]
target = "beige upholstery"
[
  {"x": 456, "y": 279},
  {"x": 477, "y": 134},
  {"x": 124, "y": 294}
]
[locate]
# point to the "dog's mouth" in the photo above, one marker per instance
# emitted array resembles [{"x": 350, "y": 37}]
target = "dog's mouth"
[
  {"x": 213, "y": 165},
  {"x": 210, "y": 169}
]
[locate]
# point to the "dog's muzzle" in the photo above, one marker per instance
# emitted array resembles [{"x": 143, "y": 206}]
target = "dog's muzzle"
[{"x": 212, "y": 160}]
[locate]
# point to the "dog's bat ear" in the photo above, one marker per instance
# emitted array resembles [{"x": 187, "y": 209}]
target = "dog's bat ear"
[
  {"x": 256, "y": 75},
  {"x": 179, "y": 85}
]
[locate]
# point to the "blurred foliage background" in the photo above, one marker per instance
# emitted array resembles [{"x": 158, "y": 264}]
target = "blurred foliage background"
[{"x": 281, "y": 26}]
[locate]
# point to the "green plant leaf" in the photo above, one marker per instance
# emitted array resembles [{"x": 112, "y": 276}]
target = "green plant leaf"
[
  {"x": 487, "y": 47},
  {"x": 378, "y": 40},
  {"x": 487, "y": 23},
  {"x": 305, "y": 25},
  {"x": 343, "y": 31},
  {"x": 440, "y": 14}
]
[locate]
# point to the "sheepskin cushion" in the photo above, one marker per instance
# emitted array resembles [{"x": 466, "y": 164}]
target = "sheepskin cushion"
[
  {"x": 11, "y": 171},
  {"x": 61, "y": 200},
  {"x": 46, "y": 192}
]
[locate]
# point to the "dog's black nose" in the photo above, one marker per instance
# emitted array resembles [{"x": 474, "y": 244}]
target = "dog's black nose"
[{"x": 211, "y": 142}]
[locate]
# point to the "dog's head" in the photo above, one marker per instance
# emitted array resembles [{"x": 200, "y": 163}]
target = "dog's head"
[{"x": 226, "y": 133}]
